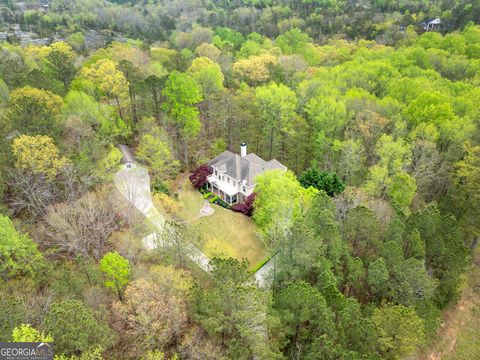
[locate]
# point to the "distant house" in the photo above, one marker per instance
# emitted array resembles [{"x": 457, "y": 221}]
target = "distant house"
[
  {"x": 432, "y": 25},
  {"x": 233, "y": 175}
]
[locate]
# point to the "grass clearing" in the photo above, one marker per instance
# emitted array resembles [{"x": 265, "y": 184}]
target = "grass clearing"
[{"x": 225, "y": 233}]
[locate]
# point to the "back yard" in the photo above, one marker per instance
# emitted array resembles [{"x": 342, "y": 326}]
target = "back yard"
[{"x": 225, "y": 233}]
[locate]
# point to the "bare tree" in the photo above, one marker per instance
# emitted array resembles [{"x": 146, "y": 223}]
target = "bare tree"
[
  {"x": 30, "y": 193},
  {"x": 83, "y": 228}
]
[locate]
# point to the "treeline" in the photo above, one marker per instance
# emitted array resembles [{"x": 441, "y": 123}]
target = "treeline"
[
  {"x": 384, "y": 21},
  {"x": 392, "y": 134}
]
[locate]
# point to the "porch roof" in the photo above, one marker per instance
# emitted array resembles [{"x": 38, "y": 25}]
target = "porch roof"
[{"x": 227, "y": 188}]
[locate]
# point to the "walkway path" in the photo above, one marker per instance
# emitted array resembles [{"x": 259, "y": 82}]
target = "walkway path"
[
  {"x": 264, "y": 275},
  {"x": 134, "y": 185}
]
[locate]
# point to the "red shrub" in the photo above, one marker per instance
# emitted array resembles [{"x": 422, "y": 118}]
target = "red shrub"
[
  {"x": 198, "y": 178},
  {"x": 247, "y": 207}
]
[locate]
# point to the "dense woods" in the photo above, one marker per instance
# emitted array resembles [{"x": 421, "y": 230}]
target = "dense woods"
[{"x": 371, "y": 230}]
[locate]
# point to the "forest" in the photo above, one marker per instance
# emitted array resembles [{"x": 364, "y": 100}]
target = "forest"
[{"x": 372, "y": 231}]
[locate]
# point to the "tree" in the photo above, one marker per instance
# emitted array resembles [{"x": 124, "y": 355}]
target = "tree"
[
  {"x": 60, "y": 63},
  {"x": 362, "y": 231},
  {"x": 207, "y": 74},
  {"x": 198, "y": 177},
  {"x": 322, "y": 180},
  {"x": 155, "y": 152},
  {"x": 467, "y": 182},
  {"x": 153, "y": 315},
  {"x": 446, "y": 255},
  {"x": 235, "y": 314},
  {"x": 307, "y": 319},
  {"x": 279, "y": 201},
  {"x": 378, "y": 278},
  {"x": 256, "y": 69},
  {"x": 38, "y": 155},
  {"x": 181, "y": 94},
  {"x": 27, "y": 333},
  {"x": 276, "y": 104},
  {"x": 83, "y": 227},
  {"x": 32, "y": 111},
  {"x": 109, "y": 80},
  {"x": 401, "y": 188},
  {"x": 399, "y": 330},
  {"x": 412, "y": 283},
  {"x": 293, "y": 41},
  {"x": 76, "y": 329},
  {"x": 101, "y": 117},
  {"x": 109, "y": 164},
  {"x": 18, "y": 253},
  {"x": 117, "y": 272}
]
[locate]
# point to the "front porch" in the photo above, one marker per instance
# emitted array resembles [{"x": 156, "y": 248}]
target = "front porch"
[{"x": 229, "y": 198}]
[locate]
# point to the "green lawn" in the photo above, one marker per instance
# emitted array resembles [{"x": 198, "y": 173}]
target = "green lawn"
[{"x": 225, "y": 233}]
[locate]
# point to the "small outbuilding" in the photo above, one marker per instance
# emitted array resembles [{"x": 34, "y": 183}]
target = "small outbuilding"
[{"x": 127, "y": 159}]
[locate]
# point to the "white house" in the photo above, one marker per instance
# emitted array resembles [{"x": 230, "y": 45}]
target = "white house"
[
  {"x": 233, "y": 175},
  {"x": 433, "y": 24}
]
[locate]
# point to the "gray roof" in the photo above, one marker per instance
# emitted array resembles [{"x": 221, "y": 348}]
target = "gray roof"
[{"x": 243, "y": 168}]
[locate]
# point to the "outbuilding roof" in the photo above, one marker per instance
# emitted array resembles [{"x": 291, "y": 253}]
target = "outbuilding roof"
[{"x": 127, "y": 154}]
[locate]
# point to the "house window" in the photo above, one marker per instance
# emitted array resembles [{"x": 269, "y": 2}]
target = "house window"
[
  {"x": 244, "y": 189},
  {"x": 228, "y": 179},
  {"x": 216, "y": 172}
]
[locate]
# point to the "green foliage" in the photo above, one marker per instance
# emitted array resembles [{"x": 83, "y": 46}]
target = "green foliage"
[
  {"x": 155, "y": 152},
  {"x": 26, "y": 333},
  {"x": 182, "y": 93},
  {"x": 117, "y": 272},
  {"x": 400, "y": 330},
  {"x": 76, "y": 329},
  {"x": 276, "y": 104},
  {"x": 32, "y": 111},
  {"x": 307, "y": 319},
  {"x": 395, "y": 117},
  {"x": 234, "y": 313},
  {"x": 14, "y": 312},
  {"x": 322, "y": 180},
  {"x": 18, "y": 253},
  {"x": 362, "y": 231},
  {"x": 279, "y": 202},
  {"x": 378, "y": 278},
  {"x": 401, "y": 188}
]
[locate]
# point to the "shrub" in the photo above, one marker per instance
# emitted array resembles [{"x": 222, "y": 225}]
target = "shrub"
[
  {"x": 159, "y": 187},
  {"x": 322, "y": 180},
  {"x": 198, "y": 178},
  {"x": 213, "y": 199},
  {"x": 222, "y": 203},
  {"x": 207, "y": 195},
  {"x": 247, "y": 207},
  {"x": 170, "y": 204}
]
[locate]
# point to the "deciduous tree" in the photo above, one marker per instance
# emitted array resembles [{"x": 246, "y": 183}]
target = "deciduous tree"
[{"x": 116, "y": 270}]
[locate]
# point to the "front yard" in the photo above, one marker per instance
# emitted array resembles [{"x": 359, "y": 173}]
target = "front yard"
[{"x": 225, "y": 233}]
